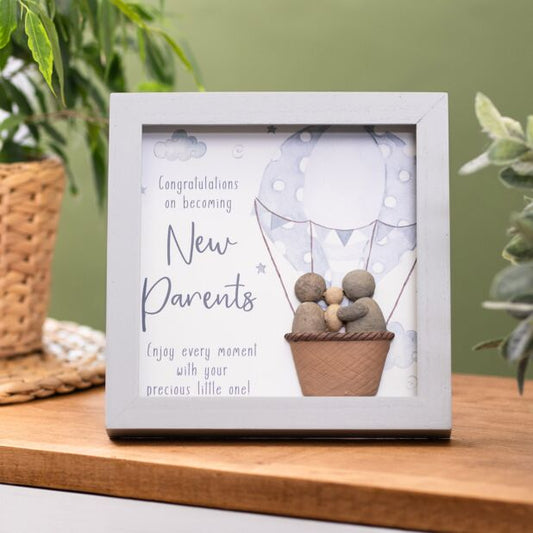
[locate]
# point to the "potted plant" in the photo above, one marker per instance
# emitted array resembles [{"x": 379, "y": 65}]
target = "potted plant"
[
  {"x": 511, "y": 149},
  {"x": 59, "y": 59}
]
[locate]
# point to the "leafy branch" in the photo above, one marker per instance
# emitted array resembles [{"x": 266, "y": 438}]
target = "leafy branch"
[
  {"x": 59, "y": 60},
  {"x": 511, "y": 149}
]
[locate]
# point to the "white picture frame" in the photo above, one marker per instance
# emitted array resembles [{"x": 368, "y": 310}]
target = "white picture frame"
[{"x": 427, "y": 414}]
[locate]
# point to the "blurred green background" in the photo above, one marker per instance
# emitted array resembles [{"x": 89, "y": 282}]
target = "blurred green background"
[{"x": 456, "y": 46}]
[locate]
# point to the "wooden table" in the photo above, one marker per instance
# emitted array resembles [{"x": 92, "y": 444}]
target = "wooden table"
[{"x": 481, "y": 480}]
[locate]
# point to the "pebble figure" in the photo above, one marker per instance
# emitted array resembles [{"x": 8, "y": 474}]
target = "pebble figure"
[
  {"x": 309, "y": 316},
  {"x": 363, "y": 314}
]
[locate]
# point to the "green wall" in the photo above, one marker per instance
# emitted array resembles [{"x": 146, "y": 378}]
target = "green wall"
[{"x": 457, "y": 46}]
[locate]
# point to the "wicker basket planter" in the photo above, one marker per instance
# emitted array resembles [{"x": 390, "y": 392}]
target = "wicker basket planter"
[
  {"x": 340, "y": 364},
  {"x": 30, "y": 200}
]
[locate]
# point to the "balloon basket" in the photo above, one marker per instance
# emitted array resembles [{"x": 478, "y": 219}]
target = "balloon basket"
[{"x": 340, "y": 364}]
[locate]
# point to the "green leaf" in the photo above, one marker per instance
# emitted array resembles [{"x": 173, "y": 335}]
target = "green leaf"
[
  {"x": 5, "y": 54},
  {"x": 58, "y": 150},
  {"x": 510, "y": 178},
  {"x": 514, "y": 127},
  {"x": 520, "y": 341},
  {"x": 523, "y": 168},
  {"x": 158, "y": 64},
  {"x": 485, "y": 345},
  {"x": 505, "y": 151},
  {"x": 116, "y": 79},
  {"x": 476, "y": 164},
  {"x": 141, "y": 44},
  {"x": 523, "y": 223},
  {"x": 51, "y": 31},
  {"x": 153, "y": 87},
  {"x": 521, "y": 373},
  {"x": 12, "y": 122},
  {"x": 129, "y": 12},
  {"x": 529, "y": 130},
  {"x": 8, "y": 20},
  {"x": 512, "y": 282},
  {"x": 98, "y": 150},
  {"x": 518, "y": 250},
  {"x": 40, "y": 46},
  {"x": 56, "y": 51},
  {"x": 107, "y": 22},
  {"x": 489, "y": 117},
  {"x": 53, "y": 132},
  {"x": 13, "y": 152}
]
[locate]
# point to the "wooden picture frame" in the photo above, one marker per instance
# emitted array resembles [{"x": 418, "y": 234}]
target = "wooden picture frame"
[{"x": 157, "y": 143}]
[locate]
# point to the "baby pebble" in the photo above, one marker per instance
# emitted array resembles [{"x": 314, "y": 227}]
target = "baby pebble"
[
  {"x": 332, "y": 321},
  {"x": 333, "y": 295}
]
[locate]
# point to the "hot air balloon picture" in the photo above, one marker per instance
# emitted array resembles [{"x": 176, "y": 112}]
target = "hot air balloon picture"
[{"x": 334, "y": 201}]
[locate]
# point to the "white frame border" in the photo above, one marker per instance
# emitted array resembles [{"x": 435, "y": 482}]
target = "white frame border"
[{"x": 426, "y": 415}]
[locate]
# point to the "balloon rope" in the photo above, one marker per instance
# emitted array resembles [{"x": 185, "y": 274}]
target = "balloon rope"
[
  {"x": 271, "y": 256},
  {"x": 311, "y": 244},
  {"x": 401, "y": 291},
  {"x": 371, "y": 244}
]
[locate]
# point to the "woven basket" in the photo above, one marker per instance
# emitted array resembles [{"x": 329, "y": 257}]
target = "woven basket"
[
  {"x": 30, "y": 199},
  {"x": 340, "y": 364}
]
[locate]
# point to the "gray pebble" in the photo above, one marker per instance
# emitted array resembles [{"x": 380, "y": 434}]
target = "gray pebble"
[
  {"x": 358, "y": 284},
  {"x": 309, "y": 318},
  {"x": 371, "y": 320},
  {"x": 310, "y": 287}
]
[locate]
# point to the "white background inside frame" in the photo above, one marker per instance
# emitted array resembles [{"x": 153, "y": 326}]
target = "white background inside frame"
[{"x": 292, "y": 199}]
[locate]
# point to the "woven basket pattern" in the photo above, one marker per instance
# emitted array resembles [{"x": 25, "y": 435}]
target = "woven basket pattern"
[
  {"x": 340, "y": 364},
  {"x": 30, "y": 200},
  {"x": 72, "y": 358}
]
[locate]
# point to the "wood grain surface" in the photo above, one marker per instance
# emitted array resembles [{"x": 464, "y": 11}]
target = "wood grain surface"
[{"x": 479, "y": 481}]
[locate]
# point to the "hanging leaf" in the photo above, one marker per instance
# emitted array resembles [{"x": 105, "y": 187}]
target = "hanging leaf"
[
  {"x": 523, "y": 168},
  {"x": 486, "y": 345},
  {"x": 153, "y": 87},
  {"x": 489, "y": 117},
  {"x": 107, "y": 22},
  {"x": 513, "y": 127},
  {"x": 476, "y": 164},
  {"x": 51, "y": 31},
  {"x": 40, "y": 46},
  {"x": 520, "y": 341},
  {"x": 510, "y": 178},
  {"x": 521, "y": 373},
  {"x": 99, "y": 160},
  {"x": 518, "y": 250},
  {"x": 505, "y": 151},
  {"x": 158, "y": 64},
  {"x": 11, "y": 123},
  {"x": 512, "y": 282},
  {"x": 8, "y": 20}
]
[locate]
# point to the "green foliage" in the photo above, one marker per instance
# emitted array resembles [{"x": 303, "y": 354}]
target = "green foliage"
[
  {"x": 66, "y": 58},
  {"x": 512, "y": 288}
]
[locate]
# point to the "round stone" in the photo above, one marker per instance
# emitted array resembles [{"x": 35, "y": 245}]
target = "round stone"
[
  {"x": 310, "y": 287},
  {"x": 333, "y": 295},
  {"x": 358, "y": 284}
]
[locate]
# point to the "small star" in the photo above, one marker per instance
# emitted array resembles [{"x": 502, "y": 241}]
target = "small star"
[
  {"x": 143, "y": 189},
  {"x": 271, "y": 129},
  {"x": 261, "y": 268}
]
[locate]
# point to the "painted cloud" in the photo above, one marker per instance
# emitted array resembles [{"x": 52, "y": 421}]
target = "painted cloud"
[{"x": 180, "y": 146}]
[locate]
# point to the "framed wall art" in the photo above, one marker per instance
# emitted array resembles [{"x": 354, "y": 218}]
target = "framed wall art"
[{"x": 278, "y": 264}]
